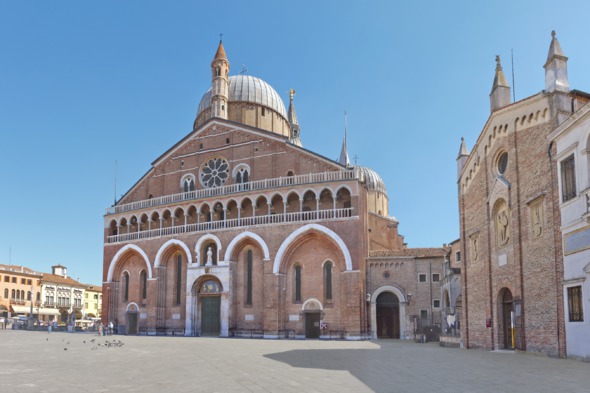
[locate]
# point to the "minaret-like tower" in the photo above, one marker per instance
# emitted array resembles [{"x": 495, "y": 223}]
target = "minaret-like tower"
[
  {"x": 500, "y": 95},
  {"x": 219, "y": 83},
  {"x": 293, "y": 122},
  {"x": 462, "y": 157},
  {"x": 344, "y": 151},
  {"x": 556, "y": 68}
]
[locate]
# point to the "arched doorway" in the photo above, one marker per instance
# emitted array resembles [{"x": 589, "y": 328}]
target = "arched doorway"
[
  {"x": 507, "y": 310},
  {"x": 131, "y": 315},
  {"x": 210, "y": 297},
  {"x": 387, "y": 315},
  {"x": 312, "y": 311}
]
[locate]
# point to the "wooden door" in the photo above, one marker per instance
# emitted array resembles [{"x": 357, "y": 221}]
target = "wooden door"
[
  {"x": 132, "y": 323},
  {"x": 312, "y": 325},
  {"x": 506, "y": 318},
  {"x": 388, "y": 325},
  {"x": 210, "y": 316}
]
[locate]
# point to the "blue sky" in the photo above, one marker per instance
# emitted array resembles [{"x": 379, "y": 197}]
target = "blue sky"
[{"x": 83, "y": 84}]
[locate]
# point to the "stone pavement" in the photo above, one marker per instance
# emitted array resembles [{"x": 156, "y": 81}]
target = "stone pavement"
[{"x": 70, "y": 362}]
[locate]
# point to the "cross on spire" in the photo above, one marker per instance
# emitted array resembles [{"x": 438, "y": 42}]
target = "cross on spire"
[
  {"x": 355, "y": 158},
  {"x": 220, "y": 37}
]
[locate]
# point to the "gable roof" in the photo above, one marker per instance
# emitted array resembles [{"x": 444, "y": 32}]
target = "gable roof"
[{"x": 241, "y": 127}]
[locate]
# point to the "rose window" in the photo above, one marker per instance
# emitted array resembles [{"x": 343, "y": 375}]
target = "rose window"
[{"x": 214, "y": 173}]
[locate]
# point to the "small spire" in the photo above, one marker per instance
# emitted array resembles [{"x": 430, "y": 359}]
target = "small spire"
[
  {"x": 462, "y": 157},
  {"x": 220, "y": 54},
  {"x": 500, "y": 95},
  {"x": 344, "y": 152},
  {"x": 554, "y": 48},
  {"x": 556, "y": 68},
  {"x": 293, "y": 122},
  {"x": 499, "y": 78},
  {"x": 463, "y": 151}
]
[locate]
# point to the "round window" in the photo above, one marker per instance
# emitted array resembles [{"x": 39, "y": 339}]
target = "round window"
[
  {"x": 214, "y": 173},
  {"x": 386, "y": 274},
  {"x": 502, "y": 163}
]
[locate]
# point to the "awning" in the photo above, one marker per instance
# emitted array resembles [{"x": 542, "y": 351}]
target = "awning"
[
  {"x": 21, "y": 309},
  {"x": 47, "y": 311}
]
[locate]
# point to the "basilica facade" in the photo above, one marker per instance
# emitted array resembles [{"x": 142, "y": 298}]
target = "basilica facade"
[{"x": 238, "y": 230}]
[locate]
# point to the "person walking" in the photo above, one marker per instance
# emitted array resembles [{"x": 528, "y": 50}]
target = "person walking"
[{"x": 111, "y": 328}]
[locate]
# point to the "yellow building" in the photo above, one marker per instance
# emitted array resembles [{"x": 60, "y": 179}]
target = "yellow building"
[
  {"x": 19, "y": 286},
  {"x": 92, "y": 301}
]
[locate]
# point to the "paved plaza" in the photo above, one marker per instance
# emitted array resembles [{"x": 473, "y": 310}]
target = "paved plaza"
[{"x": 78, "y": 362}]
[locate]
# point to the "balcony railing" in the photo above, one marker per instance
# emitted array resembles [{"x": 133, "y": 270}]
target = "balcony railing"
[
  {"x": 317, "y": 215},
  {"x": 323, "y": 177}
]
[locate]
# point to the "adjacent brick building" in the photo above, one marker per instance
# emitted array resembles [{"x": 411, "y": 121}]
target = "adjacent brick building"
[{"x": 509, "y": 218}]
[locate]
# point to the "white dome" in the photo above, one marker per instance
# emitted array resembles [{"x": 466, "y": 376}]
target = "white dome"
[
  {"x": 371, "y": 179},
  {"x": 246, "y": 88}
]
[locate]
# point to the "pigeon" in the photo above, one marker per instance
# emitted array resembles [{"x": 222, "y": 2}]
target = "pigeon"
[
  {"x": 65, "y": 349},
  {"x": 92, "y": 340}
]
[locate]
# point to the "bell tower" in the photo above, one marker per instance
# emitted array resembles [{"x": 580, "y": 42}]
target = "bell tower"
[{"x": 219, "y": 83}]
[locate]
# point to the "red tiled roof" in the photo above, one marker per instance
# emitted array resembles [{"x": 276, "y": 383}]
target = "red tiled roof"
[
  {"x": 410, "y": 252},
  {"x": 18, "y": 269},
  {"x": 54, "y": 278}
]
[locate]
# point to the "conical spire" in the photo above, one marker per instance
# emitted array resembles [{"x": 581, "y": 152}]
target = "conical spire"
[
  {"x": 220, "y": 54},
  {"x": 556, "y": 68},
  {"x": 463, "y": 151},
  {"x": 462, "y": 157},
  {"x": 500, "y": 95},
  {"x": 554, "y": 48},
  {"x": 344, "y": 152},
  {"x": 499, "y": 78},
  {"x": 293, "y": 122}
]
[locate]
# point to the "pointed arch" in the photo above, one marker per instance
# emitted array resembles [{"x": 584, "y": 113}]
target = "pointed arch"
[
  {"x": 168, "y": 244},
  {"x": 236, "y": 240},
  {"x": 121, "y": 253},
  {"x": 200, "y": 242},
  {"x": 310, "y": 228}
]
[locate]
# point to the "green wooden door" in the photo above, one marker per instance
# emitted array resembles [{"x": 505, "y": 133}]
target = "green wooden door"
[{"x": 210, "y": 316}]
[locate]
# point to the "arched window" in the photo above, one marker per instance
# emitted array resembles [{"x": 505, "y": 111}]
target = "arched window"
[
  {"x": 29, "y": 295},
  {"x": 178, "y": 277},
  {"x": 241, "y": 174},
  {"x": 126, "y": 286},
  {"x": 143, "y": 277},
  {"x": 249, "y": 277},
  {"x": 6, "y": 293},
  {"x": 22, "y": 295},
  {"x": 328, "y": 280},
  {"x": 188, "y": 184},
  {"x": 297, "y": 283}
]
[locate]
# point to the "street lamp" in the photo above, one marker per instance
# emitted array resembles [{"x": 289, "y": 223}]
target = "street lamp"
[{"x": 31, "y": 311}]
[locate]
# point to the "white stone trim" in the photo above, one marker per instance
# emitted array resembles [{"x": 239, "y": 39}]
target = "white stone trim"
[
  {"x": 244, "y": 235},
  {"x": 311, "y": 227},
  {"x": 312, "y": 300},
  {"x": 402, "y": 309},
  {"x": 168, "y": 244},
  {"x": 129, "y": 305},
  {"x": 120, "y": 253},
  {"x": 201, "y": 241}
]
